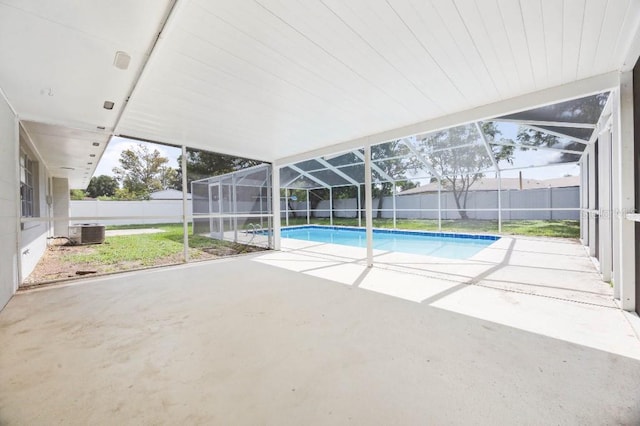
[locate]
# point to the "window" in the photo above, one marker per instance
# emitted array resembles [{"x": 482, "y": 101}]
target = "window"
[{"x": 27, "y": 173}]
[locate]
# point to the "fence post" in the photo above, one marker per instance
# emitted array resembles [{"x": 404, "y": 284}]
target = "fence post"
[
  {"x": 499, "y": 203},
  {"x": 331, "y": 206},
  {"x": 185, "y": 223},
  {"x": 359, "y": 209},
  {"x": 439, "y": 205},
  {"x": 394, "y": 204},
  {"x": 286, "y": 205},
  {"x": 308, "y": 216}
]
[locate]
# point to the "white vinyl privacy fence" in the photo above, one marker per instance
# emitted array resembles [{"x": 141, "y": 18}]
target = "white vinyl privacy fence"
[
  {"x": 127, "y": 212},
  {"x": 531, "y": 204},
  {"x": 543, "y": 204}
]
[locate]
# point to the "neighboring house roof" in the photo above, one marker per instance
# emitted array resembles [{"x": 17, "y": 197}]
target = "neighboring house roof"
[
  {"x": 491, "y": 184},
  {"x": 168, "y": 194}
]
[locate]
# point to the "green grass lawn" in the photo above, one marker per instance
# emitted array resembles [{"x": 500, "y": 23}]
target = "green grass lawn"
[
  {"x": 540, "y": 228},
  {"x": 152, "y": 249}
]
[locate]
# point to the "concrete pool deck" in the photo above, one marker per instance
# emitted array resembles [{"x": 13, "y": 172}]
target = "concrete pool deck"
[{"x": 309, "y": 335}]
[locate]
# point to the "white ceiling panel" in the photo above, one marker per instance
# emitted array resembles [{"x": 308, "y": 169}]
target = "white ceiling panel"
[
  {"x": 552, "y": 18},
  {"x": 272, "y": 78},
  {"x": 269, "y": 79}
]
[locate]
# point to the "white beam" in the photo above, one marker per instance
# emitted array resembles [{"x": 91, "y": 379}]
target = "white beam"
[
  {"x": 487, "y": 147},
  {"x": 420, "y": 157},
  {"x": 185, "y": 221},
  {"x": 286, "y": 206},
  {"x": 337, "y": 171},
  {"x": 331, "y": 206},
  {"x": 632, "y": 50},
  {"x": 374, "y": 166},
  {"x": 499, "y": 176},
  {"x": 439, "y": 205},
  {"x": 624, "y": 267},
  {"x": 573, "y": 90},
  {"x": 308, "y": 209},
  {"x": 310, "y": 176},
  {"x": 275, "y": 205},
  {"x": 286, "y": 185},
  {"x": 368, "y": 205},
  {"x": 535, "y": 147},
  {"x": 604, "y": 203},
  {"x": 591, "y": 164},
  {"x": 583, "y": 201},
  {"x": 359, "y": 204},
  {"x": 558, "y": 134},
  {"x": 546, "y": 123},
  {"x": 170, "y": 21}
]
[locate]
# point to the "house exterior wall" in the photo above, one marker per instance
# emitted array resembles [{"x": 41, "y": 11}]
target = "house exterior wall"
[
  {"x": 33, "y": 235},
  {"x": 8, "y": 202}
]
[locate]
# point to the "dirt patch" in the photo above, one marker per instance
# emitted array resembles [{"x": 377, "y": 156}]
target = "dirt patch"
[{"x": 55, "y": 264}]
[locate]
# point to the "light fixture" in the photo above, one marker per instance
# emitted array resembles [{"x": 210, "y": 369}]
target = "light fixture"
[
  {"x": 121, "y": 60},
  {"x": 101, "y": 127},
  {"x": 92, "y": 155},
  {"x": 89, "y": 163},
  {"x": 108, "y": 105},
  {"x": 96, "y": 144}
]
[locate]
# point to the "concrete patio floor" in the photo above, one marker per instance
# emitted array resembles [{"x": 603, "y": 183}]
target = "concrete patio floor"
[{"x": 251, "y": 340}]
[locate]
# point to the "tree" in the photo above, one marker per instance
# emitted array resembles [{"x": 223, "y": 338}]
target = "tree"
[
  {"x": 102, "y": 186},
  {"x": 169, "y": 178},
  {"x": 395, "y": 165},
  {"x": 203, "y": 164},
  {"x": 142, "y": 171},
  {"x": 583, "y": 110},
  {"x": 461, "y": 167},
  {"x": 77, "y": 194}
]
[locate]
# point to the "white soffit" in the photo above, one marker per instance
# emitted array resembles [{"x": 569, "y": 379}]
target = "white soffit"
[
  {"x": 57, "y": 59},
  {"x": 68, "y": 153},
  {"x": 270, "y": 79}
]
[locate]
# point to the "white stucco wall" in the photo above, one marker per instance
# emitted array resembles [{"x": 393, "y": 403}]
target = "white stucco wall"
[{"x": 8, "y": 202}]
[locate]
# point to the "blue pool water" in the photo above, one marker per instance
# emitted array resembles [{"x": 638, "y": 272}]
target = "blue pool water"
[{"x": 451, "y": 246}]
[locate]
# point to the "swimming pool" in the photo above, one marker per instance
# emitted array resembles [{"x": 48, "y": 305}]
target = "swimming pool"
[{"x": 439, "y": 244}]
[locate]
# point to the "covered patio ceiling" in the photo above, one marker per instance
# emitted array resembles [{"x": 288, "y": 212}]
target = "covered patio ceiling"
[
  {"x": 274, "y": 80},
  {"x": 567, "y": 128}
]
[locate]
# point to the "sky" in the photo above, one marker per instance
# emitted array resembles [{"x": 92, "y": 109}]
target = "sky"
[{"x": 111, "y": 155}]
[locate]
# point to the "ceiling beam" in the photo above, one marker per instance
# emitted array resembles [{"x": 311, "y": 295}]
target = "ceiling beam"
[
  {"x": 487, "y": 147},
  {"x": 542, "y": 148},
  {"x": 169, "y": 22},
  {"x": 421, "y": 158},
  {"x": 546, "y": 123},
  {"x": 337, "y": 171},
  {"x": 286, "y": 185},
  {"x": 558, "y": 134},
  {"x": 309, "y": 176},
  {"x": 375, "y": 167}
]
